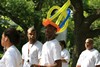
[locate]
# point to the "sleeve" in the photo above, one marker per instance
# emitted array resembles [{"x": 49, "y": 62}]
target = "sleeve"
[
  {"x": 9, "y": 61},
  {"x": 23, "y": 53},
  {"x": 97, "y": 58},
  {"x": 57, "y": 52},
  {"x": 2, "y": 63},
  {"x": 79, "y": 60},
  {"x": 40, "y": 51},
  {"x": 67, "y": 56}
]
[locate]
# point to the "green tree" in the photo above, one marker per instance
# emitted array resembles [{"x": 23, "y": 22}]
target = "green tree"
[
  {"x": 83, "y": 24},
  {"x": 31, "y": 12},
  {"x": 19, "y": 11},
  {"x": 27, "y": 12}
]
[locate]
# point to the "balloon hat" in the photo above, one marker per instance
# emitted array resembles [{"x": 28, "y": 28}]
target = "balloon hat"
[{"x": 63, "y": 14}]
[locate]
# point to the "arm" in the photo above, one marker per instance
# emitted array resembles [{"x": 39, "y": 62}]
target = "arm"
[
  {"x": 57, "y": 55},
  {"x": 2, "y": 64},
  {"x": 97, "y": 59},
  {"x": 78, "y": 65},
  {"x": 9, "y": 62},
  {"x": 37, "y": 65},
  {"x": 65, "y": 56},
  {"x": 22, "y": 61},
  {"x": 59, "y": 63},
  {"x": 63, "y": 60},
  {"x": 79, "y": 61},
  {"x": 97, "y": 65}
]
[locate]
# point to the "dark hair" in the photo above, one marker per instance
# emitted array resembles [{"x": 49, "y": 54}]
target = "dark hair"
[
  {"x": 63, "y": 42},
  {"x": 32, "y": 28},
  {"x": 13, "y": 35}
]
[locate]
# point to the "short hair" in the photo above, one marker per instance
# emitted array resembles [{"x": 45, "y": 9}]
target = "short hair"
[
  {"x": 90, "y": 40},
  {"x": 13, "y": 35},
  {"x": 52, "y": 27},
  {"x": 63, "y": 42},
  {"x": 31, "y": 28}
]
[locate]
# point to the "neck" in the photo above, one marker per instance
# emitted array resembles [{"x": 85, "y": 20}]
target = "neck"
[
  {"x": 50, "y": 38},
  {"x": 8, "y": 45},
  {"x": 32, "y": 41},
  {"x": 90, "y": 48}
]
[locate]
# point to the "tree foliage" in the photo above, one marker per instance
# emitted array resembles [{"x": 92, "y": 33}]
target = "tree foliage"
[
  {"x": 85, "y": 22},
  {"x": 20, "y": 11}
]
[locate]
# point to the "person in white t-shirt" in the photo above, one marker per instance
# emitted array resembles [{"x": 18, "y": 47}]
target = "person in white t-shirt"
[
  {"x": 31, "y": 51},
  {"x": 89, "y": 57},
  {"x": 12, "y": 56},
  {"x": 51, "y": 51},
  {"x": 64, "y": 54}
]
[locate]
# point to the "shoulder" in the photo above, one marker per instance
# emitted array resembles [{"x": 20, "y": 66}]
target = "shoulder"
[
  {"x": 38, "y": 42},
  {"x": 25, "y": 45},
  {"x": 83, "y": 53},
  {"x": 95, "y": 52},
  {"x": 54, "y": 42},
  {"x": 10, "y": 52},
  {"x": 65, "y": 50}
]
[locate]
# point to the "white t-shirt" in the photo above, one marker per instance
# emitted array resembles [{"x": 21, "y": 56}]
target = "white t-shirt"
[
  {"x": 11, "y": 58},
  {"x": 34, "y": 54},
  {"x": 65, "y": 54},
  {"x": 89, "y": 58},
  {"x": 51, "y": 52}
]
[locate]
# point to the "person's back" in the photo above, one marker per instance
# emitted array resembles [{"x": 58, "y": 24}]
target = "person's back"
[{"x": 12, "y": 56}]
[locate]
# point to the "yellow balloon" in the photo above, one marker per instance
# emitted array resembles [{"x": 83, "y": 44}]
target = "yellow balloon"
[
  {"x": 64, "y": 7},
  {"x": 61, "y": 16},
  {"x": 50, "y": 11},
  {"x": 64, "y": 27}
]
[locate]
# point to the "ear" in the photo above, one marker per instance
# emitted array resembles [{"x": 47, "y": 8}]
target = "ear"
[{"x": 6, "y": 38}]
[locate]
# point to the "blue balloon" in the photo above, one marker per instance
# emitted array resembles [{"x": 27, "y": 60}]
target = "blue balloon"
[{"x": 63, "y": 22}]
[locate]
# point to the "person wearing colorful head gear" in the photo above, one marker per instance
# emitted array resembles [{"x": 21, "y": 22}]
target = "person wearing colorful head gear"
[{"x": 51, "y": 50}]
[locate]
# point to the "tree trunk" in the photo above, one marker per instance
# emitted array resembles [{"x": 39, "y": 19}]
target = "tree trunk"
[
  {"x": 79, "y": 40},
  {"x": 79, "y": 33}
]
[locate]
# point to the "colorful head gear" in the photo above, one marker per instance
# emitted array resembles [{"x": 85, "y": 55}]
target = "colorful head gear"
[
  {"x": 62, "y": 13},
  {"x": 46, "y": 22}
]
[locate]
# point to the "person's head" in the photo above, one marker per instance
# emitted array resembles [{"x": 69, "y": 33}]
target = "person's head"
[
  {"x": 50, "y": 32},
  {"x": 63, "y": 44},
  {"x": 31, "y": 34},
  {"x": 89, "y": 43},
  {"x": 10, "y": 37}
]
